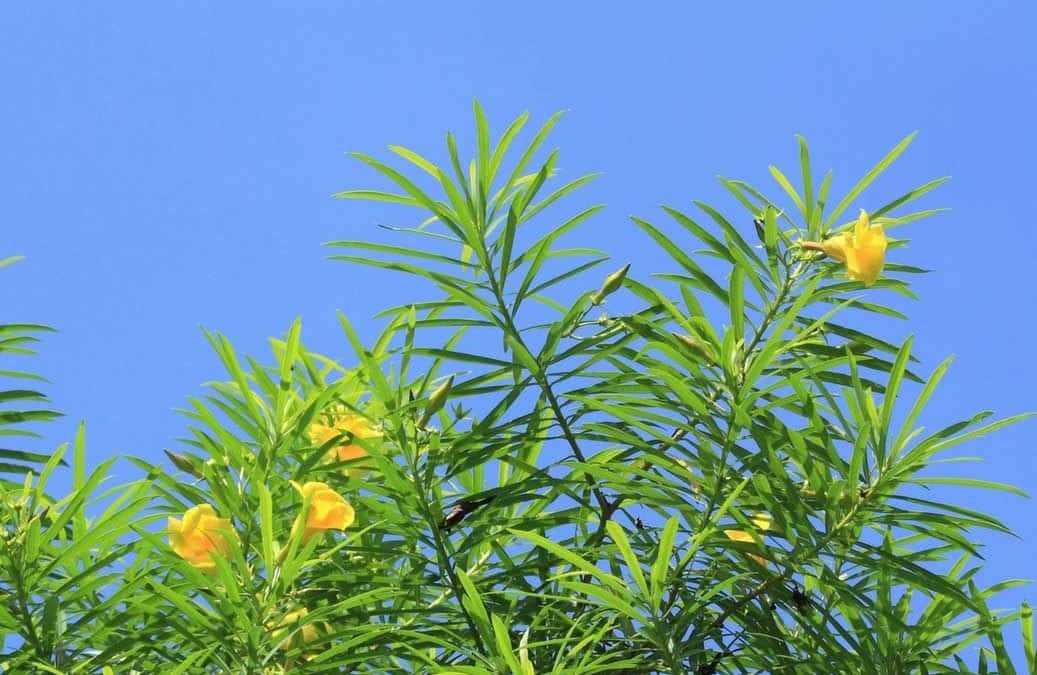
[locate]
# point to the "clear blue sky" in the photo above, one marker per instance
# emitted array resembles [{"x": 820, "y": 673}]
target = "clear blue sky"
[{"x": 168, "y": 166}]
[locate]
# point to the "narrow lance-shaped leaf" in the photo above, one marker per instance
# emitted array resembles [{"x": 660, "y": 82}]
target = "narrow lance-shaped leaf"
[{"x": 868, "y": 178}]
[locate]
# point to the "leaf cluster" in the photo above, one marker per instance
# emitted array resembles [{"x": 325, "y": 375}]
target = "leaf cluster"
[{"x": 724, "y": 475}]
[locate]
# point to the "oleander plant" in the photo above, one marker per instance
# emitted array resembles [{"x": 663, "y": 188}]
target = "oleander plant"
[{"x": 547, "y": 461}]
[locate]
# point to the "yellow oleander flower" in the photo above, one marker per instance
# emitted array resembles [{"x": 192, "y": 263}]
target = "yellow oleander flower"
[
  {"x": 328, "y": 510},
  {"x": 200, "y": 536},
  {"x": 351, "y": 426},
  {"x": 863, "y": 251}
]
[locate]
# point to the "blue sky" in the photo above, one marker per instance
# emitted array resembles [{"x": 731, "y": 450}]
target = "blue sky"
[{"x": 168, "y": 167}]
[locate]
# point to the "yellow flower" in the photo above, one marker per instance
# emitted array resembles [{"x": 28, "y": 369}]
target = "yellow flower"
[
  {"x": 200, "y": 536},
  {"x": 351, "y": 426},
  {"x": 762, "y": 521},
  {"x": 328, "y": 510},
  {"x": 290, "y": 622},
  {"x": 863, "y": 251}
]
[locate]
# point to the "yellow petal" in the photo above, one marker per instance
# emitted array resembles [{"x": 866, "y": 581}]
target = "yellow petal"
[
  {"x": 200, "y": 536},
  {"x": 328, "y": 510},
  {"x": 861, "y": 228},
  {"x": 864, "y": 251},
  {"x": 348, "y": 452},
  {"x": 310, "y": 488},
  {"x": 194, "y": 516},
  {"x": 877, "y": 237},
  {"x": 358, "y": 426},
  {"x": 870, "y": 237},
  {"x": 865, "y": 263},
  {"x": 352, "y": 427},
  {"x": 321, "y": 433},
  {"x": 835, "y": 247}
]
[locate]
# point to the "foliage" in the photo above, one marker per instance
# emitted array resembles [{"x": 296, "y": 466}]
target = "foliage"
[
  {"x": 725, "y": 477},
  {"x": 20, "y": 405},
  {"x": 68, "y": 578}
]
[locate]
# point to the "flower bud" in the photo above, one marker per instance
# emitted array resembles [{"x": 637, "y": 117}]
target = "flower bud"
[
  {"x": 183, "y": 463},
  {"x": 436, "y": 401},
  {"x": 611, "y": 285},
  {"x": 697, "y": 346}
]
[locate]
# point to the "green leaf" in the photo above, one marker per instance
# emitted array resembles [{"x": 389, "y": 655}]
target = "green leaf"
[
  {"x": 502, "y": 637},
  {"x": 371, "y": 367},
  {"x": 556, "y": 195},
  {"x": 909, "y": 197},
  {"x": 266, "y": 526},
  {"x": 1026, "y": 625},
  {"x": 506, "y": 243},
  {"x": 419, "y": 197},
  {"x": 377, "y": 196},
  {"x": 402, "y": 251},
  {"x": 744, "y": 254},
  {"x": 808, "y": 181},
  {"x": 505, "y": 142},
  {"x": 619, "y": 538},
  {"x": 970, "y": 482},
  {"x": 584, "y": 566},
  {"x": 698, "y": 277},
  {"x": 482, "y": 140},
  {"x": 528, "y": 154},
  {"x": 461, "y": 357},
  {"x": 661, "y": 565},
  {"x": 868, "y": 178},
  {"x": 717, "y": 246},
  {"x": 896, "y": 375},
  {"x": 944, "y": 439},
  {"x": 613, "y": 600},
  {"x": 736, "y": 297},
  {"x": 789, "y": 190},
  {"x": 473, "y": 599}
]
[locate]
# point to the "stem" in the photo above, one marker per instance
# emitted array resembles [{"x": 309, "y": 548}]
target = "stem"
[
  {"x": 758, "y": 337},
  {"x": 18, "y": 581},
  {"x": 721, "y": 477},
  {"x": 570, "y": 438},
  {"x": 442, "y": 555},
  {"x": 605, "y": 508},
  {"x": 763, "y": 586}
]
